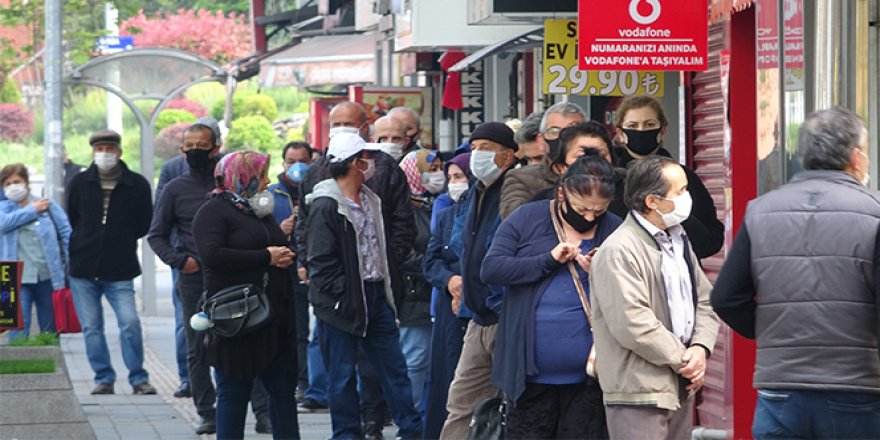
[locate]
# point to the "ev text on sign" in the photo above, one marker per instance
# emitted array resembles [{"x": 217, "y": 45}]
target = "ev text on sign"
[{"x": 642, "y": 35}]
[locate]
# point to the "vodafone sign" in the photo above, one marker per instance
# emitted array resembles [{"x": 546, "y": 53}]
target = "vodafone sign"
[{"x": 642, "y": 35}]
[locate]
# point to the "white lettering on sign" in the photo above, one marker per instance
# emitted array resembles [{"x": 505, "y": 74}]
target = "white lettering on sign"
[{"x": 471, "y": 114}]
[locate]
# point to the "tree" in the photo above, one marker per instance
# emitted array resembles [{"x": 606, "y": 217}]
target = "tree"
[{"x": 212, "y": 35}]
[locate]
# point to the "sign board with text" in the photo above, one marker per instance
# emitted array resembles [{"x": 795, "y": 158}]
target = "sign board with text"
[
  {"x": 563, "y": 77},
  {"x": 10, "y": 295},
  {"x": 472, "y": 94},
  {"x": 643, "y": 35}
]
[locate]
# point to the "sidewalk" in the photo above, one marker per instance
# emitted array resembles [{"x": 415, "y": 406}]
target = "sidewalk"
[{"x": 162, "y": 416}]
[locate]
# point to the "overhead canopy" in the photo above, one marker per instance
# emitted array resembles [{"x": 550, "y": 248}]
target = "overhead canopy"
[
  {"x": 328, "y": 59},
  {"x": 528, "y": 40}
]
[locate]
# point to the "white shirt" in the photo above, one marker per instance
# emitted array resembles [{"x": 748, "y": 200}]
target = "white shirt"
[{"x": 676, "y": 277}]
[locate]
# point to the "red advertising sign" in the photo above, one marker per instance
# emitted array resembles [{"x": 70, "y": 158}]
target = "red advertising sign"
[
  {"x": 768, "y": 34},
  {"x": 642, "y": 35}
]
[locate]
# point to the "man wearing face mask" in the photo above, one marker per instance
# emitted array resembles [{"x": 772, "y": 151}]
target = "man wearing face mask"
[
  {"x": 297, "y": 156},
  {"x": 413, "y": 123},
  {"x": 109, "y": 208},
  {"x": 390, "y": 133},
  {"x": 351, "y": 292},
  {"x": 641, "y": 125},
  {"x": 802, "y": 280},
  {"x": 175, "y": 210},
  {"x": 390, "y": 184},
  {"x": 493, "y": 153},
  {"x": 556, "y": 118},
  {"x": 653, "y": 327}
]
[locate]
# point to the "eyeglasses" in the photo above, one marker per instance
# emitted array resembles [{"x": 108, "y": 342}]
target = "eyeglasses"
[{"x": 552, "y": 133}]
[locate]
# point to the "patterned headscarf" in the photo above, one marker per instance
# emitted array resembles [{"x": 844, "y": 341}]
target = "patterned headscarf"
[
  {"x": 240, "y": 172},
  {"x": 414, "y": 164}
]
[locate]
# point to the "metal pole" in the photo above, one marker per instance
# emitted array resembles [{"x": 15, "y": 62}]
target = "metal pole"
[
  {"x": 148, "y": 259},
  {"x": 114, "y": 104},
  {"x": 53, "y": 139}
]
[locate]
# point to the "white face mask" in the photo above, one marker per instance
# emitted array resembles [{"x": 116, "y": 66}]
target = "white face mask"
[
  {"x": 106, "y": 161},
  {"x": 262, "y": 203},
  {"x": 456, "y": 190},
  {"x": 16, "y": 192},
  {"x": 680, "y": 213},
  {"x": 483, "y": 167},
  {"x": 393, "y": 150},
  {"x": 351, "y": 130},
  {"x": 434, "y": 182},
  {"x": 371, "y": 169}
]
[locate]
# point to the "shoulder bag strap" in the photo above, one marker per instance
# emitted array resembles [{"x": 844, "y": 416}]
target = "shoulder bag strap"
[
  {"x": 268, "y": 243},
  {"x": 560, "y": 233}
]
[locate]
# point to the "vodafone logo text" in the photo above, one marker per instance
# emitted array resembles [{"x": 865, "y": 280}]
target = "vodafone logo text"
[{"x": 644, "y": 19}]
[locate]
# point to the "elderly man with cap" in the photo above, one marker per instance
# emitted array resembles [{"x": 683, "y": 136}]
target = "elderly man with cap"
[
  {"x": 493, "y": 152},
  {"x": 110, "y": 209},
  {"x": 351, "y": 289}
]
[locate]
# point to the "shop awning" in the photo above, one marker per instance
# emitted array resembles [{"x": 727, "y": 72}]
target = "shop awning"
[
  {"x": 723, "y": 9},
  {"x": 528, "y": 40},
  {"x": 328, "y": 59}
]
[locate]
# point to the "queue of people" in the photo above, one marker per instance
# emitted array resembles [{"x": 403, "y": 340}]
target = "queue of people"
[{"x": 557, "y": 266}]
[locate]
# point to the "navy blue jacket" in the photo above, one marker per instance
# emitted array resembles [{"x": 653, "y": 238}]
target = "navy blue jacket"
[
  {"x": 441, "y": 262},
  {"x": 479, "y": 228},
  {"x": 520, "y": 259}
]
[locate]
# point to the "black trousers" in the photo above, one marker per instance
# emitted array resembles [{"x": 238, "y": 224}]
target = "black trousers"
[
  {"x": 300, "y": 305},
  {"x": 545, "y": 411}
]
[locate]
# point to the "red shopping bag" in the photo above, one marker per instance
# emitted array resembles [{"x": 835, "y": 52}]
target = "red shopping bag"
[{"x": 66, "y": 320}]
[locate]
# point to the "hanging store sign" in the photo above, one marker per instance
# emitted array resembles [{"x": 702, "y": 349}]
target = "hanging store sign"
[
  {"x": 642, "y": 35},
  {"x": 563, "y": 77},
  {"x": 473, "y": 113}
]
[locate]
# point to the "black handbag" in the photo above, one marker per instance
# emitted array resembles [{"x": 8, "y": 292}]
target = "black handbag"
[
  {"x": 237, "y": 310},
  {"x": 488, "y": 420}
]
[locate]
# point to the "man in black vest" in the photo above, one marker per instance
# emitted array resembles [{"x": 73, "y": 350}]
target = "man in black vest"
[{"x": 801, "y": 279}]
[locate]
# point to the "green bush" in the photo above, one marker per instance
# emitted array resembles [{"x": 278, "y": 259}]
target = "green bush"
[
  {"x": 288, "y": 99},
  {"x": 261, "y": 105},
  {"x": 85, "y": 112},
  {"x": 252, "y": 132},
  {"x": 39, "y": 340},
  {"x": 220, "y": 105},
  {"x": 9, "y": 92},
  {"x": 171, "y": 116}
]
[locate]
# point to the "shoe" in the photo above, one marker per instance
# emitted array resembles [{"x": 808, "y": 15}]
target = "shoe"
[
  {"x": 264, "y": 425},
  {"x": 183, "y": 390},
  {"x": 103, "y": 388},
  {"x": 310, "y": 405},
  {"x": 208, "y": 426},
  {"x": 144, "y": 388},
  {"x": 373, "y": 431}
]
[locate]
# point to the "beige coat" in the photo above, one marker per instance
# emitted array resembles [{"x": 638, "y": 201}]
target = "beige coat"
[{"x": 637, "y": 356}]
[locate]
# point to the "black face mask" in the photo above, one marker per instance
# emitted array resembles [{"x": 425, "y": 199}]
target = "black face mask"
[
  {"x": 553, "y": 145},
  {"x": 642, "y": 142},
  {"x": 577, "y": 221},
  {"x": 198, "y": 159}
]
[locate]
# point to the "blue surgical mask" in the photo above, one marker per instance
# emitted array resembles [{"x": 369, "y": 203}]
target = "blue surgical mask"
[
  {"x": 297, "y": 171},
  {"x": 483, "y": 167}
]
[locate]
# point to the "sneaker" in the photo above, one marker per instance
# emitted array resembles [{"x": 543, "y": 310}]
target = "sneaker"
[
  {"x": 373, "y": 431},
  {"x": 183, "y": 390},
  {"x": 144, "y": 388},
  {"x": 310, "y": 405},
  {"x": 208, "y": 426},
  {"x": 103, "y": 388},
  {"x": 264, "y": 425}
]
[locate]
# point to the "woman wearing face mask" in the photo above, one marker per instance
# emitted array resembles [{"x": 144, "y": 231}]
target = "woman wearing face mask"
[
  {"x": 443, "y": 271},
  {"x": 239, "y": 242},
  {"x": 30, "y": 230},
  {"x": 544, "y": 335},
  {"x": 423, "y": 169},
  {"x": 641, "y": 125}
]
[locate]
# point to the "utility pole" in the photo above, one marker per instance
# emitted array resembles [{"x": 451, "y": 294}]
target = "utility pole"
[
  {"x": 114, "y": 104},
  {"x": 53, "y": 137}
]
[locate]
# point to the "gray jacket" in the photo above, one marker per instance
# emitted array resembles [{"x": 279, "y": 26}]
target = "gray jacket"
[{"x": 813, "y": 247}]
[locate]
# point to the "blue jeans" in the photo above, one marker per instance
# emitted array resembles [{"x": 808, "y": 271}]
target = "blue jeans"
[
  {"x": 317, "y": 375},
  {"x": 120, "y": 294},
  {"x": 233, "y": 395},
  {"x": 179, "y": 334},
  {"x": 415, "y": 342},
  {"x": 816, "y": 414},
  {"x": 39, "y": 295},
  {"x": 382, "y": 346}
]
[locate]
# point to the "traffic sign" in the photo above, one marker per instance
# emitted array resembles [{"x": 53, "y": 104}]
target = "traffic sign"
[{"x": 108, "y": 44}]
